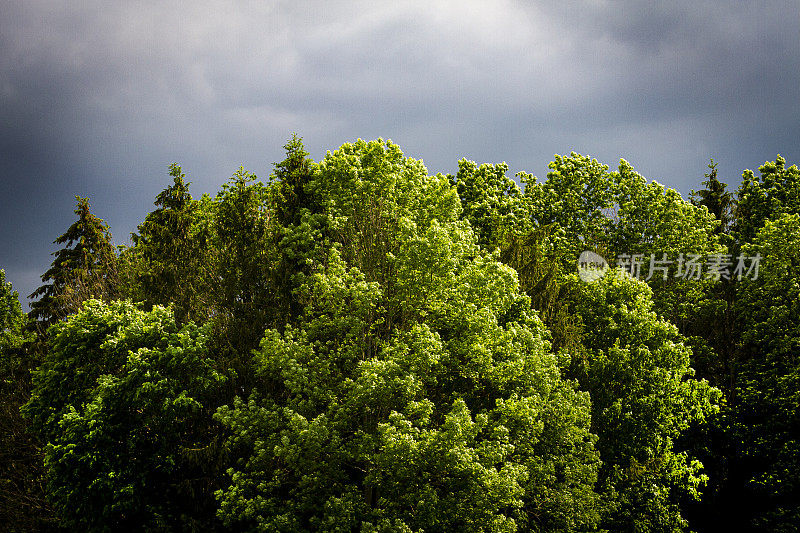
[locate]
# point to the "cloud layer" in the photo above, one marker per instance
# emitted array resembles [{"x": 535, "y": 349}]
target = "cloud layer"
[{"x": 98, "y": 99}]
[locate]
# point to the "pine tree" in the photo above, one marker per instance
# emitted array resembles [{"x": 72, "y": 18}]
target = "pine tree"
[
  {"x": 84, "y": 268},
  {"x": 12, "y": 319}
]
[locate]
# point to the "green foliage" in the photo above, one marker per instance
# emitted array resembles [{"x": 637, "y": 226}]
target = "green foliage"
[
  {"x": 13, "y": 323},
  {"x": 501, "y": 218},
  {"x": 298, "y": 230},
  {"x": 533, "y": 256},
  {"x": 22, "y": 503},
  {"x": 401, "y": 401},
  {"x": 120, "y": 400},
  {"x": 636, "y": 369},
  {"x": 172, "y": 244},
  {"x": 708, "y": 315},
  {"x": 656, "y": 219},
  {"x": 616, "y": 212},
  {"x": 620, "y": 212},
  {"x": 292, "y": 175},
  {"x": 491, "y": 201},
  {"x": 578, "y": 199},
  {"x": 717, "y": 199},
  {"x": 405, "y": 352},
  {"x": 243, "y": 239},
  {"x": 760, "y": 198},
  {"x": 84, "y": 268},
  {"x": 767, "y": 418}
]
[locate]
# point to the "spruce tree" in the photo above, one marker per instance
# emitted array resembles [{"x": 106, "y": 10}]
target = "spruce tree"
[
  {"x": 172, "y": 249},
  {"x": 245, "y": 259},
  {"x": 717, "y": 199},
  {"x": 292, "y": 174},
  {"x": 84, "y": 268}
]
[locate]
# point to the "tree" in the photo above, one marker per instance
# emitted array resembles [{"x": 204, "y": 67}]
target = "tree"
[
  {"x": 657, "y": 223},
  {"x": 766, "y": 415},
  {"x": 717, "y": 199},
  {"x": 713, "y": 323},
  {"x": 541, "y": 276},
  {"x": 84, "y": 268},
  {"x": 618, "y": 215},
  {"x": 12, "y": 322},
  {"x": 244, "y": 230},
  {"x": 416, "y": 390},
  {"x": 22, "y": 503},
  {"x": 653, "y": 219},
  {"x": 766, "y": 197},
  {"x": 123, "y": 401},
  {"x": 636, "y": 370},
  {"x": 294, "y": 207},
  {"x": 578, "y": 200},
  {"x": 292, "y": 176},
  {"x": 173, "y": 246},
  {"x": 490, "y": 201},
  {"x": 500, "y": 217}
]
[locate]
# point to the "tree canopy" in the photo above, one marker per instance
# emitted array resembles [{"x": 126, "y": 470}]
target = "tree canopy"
[{"x": 355, "y": 344}]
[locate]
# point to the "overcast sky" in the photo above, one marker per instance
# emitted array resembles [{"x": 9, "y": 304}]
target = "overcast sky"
[{"x": 98, "y": 98}]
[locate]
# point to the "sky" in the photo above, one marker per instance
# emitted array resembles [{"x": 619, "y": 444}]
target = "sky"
[{"x": 97, "y": 99}]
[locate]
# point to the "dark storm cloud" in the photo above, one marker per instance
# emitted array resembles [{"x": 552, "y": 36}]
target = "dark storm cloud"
[{"x": 98, "y": 98}]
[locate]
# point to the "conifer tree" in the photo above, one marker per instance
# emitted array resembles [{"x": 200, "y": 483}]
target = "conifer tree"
[
  {"x": 84, "y": 268},
  {"x": 172, "y": 248},
  {"x": 712, "y": 331},
  {"x": 292, "y": 202},
  {"x": 293, "y": 173},
  {"x": 244, "y": 237},
  {"x": 12, "y": 319},
  {"x": 717, "y": 199}
]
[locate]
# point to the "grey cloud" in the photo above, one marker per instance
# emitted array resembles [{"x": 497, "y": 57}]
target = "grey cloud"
[{"x": 98, "y": 98}]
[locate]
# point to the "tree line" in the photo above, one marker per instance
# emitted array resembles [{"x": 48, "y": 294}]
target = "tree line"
[{"x": 356, "y": 345}]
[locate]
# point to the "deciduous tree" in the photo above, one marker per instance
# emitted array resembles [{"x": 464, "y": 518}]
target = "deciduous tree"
[
  {"x": 767, "y": 417},
  {"x": 644, "y": 396},
  {"x": 417, "y": 391},
  {"x": 123, "y": 401}
]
